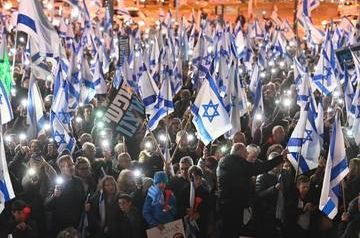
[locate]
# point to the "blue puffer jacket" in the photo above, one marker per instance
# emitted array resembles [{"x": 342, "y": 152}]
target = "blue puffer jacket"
[{"x": 154, "y": 205}]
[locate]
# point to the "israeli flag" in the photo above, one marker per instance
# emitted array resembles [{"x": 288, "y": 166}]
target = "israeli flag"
[
  {"x": 60, "y": 118},
  {"x": 32, "y": 20},
  {"x": 107, "y": 21},
  {"x": 355, "y": 110},
  {"x": 6, "y": 189},
  {"x": 35, "y": 109},
  {"x": 5, "y": 106},
  {"x": 304, "y": 143},
  {"x": 238, "y": 100},
  {"x": 87, "y": 88},
  {"x": 148, "y": 91},
  {"x": 301, "y": 78},
  {"x": 164, "y": 105},
  {"x": 335, "y": 171},
  {"x": 324, "y": 78},
  {"x": 211, "y": 119}
]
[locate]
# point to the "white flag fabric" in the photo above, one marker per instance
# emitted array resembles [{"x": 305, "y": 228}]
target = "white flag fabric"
[
  {"x": 6, "y": 189},
  {"x": 32, "y": 20},
  {"x": 211, "y": 119},
  {"x": 335, "y": 171}
]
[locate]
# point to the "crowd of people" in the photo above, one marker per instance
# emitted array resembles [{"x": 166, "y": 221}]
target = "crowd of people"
[{"x": 112, "y": 185}]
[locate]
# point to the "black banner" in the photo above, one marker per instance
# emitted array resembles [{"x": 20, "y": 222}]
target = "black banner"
[{"x": 126, "y": 113}]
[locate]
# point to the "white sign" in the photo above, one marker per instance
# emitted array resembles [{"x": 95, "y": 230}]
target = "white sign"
[{"x": 173, "y": 229}]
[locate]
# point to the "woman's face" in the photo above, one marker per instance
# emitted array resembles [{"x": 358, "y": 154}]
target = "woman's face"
[{"x": 109, "y": 187}]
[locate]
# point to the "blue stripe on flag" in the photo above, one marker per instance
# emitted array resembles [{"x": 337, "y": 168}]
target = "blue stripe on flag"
[
  {"x": 4, "y": 190},
  {"x": 201, "y": 129},
  {"x": 336, "y": 189},
  {"x": 329, "y": 207},
  {"x": 27, "y": 21},
  {"x": 295, "y": 142},
  {"x": 340, "y": 167}
]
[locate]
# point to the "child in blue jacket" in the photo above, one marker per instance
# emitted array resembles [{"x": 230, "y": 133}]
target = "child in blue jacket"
[{"x": 160, "y": 204}]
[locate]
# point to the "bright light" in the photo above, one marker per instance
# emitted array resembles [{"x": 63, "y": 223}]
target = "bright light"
[
  {"x": 282, "y": 64},
  {"x": 190, "y": 52},
  {"x": 141, "y": 23},
  {"x": 78, "y": 119},
  {"x": 162, "y": 137},
  {"x": 271, "y": 63},
  {"x": 105, "y": 144},
  {"x": 264, "y": 12},
  {"x": 31, "y": 172},
  {"x": 49, "y": 78},
  {"x": 100, "y": 124},
  {"x": 209, "y": 49},
  {"x": 99, "y": 114},
  {"x": 13, "y": 92},
  {"x": 287, "y": 102},
  {"x": 223, "y": 149},
  {"x": 81, "y": 104},
  {"x": 47, "y": 126},
  {"x": 59, "y": 180},
  {"x": 22, "y": 136},
  {"x": 102, "y": 133},
  {"x": 349, "y": 132},
  {"x": 137, "y": 173},
  {"x": 336, "y": 94},
  {"x": 24, "y": 102},
  {"x": 22, "y": 39},
  {"x": 340, "y": 101},
  {"x": 258, "y": 116},
  {"x": 262, "y": 75},
  {"x": 148, "y": 145},
  {"x": 7, "y": 5},
  {"x": 190, "y": 137},
  {"x": 49, "y": 6},
  {"x": 8, "y": 138},
  {"x": 277, "y": 101},
  {"x": 51, "y": 140},
  {"x": 329, "y": 110},
  {"x": 273, "y": 70},
  {"x": 75, "y": 12}
]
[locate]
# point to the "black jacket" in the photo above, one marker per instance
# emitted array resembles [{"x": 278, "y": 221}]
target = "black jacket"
[
  {"x": 234, "y": 177},
  {"x": 68, "y": 207}
]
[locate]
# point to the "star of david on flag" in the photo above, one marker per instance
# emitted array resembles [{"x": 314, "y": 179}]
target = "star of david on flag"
[
  {"x": 211, "y": 119},
  {"x": 210, "y": 110}
]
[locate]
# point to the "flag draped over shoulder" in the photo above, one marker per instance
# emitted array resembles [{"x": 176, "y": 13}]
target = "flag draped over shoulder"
[
  {"x": 126, "y": 111},
  {"x": 335, "y": 171},
  {"x": 211, "y": 119}
]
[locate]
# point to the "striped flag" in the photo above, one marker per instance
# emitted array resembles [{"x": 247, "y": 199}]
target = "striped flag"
[
  {"x": 335, "y": 171},
  {"x": 32, "y": 20},
  {"x": 5, "y": 83},
  {"x": 6, "y": 189}
]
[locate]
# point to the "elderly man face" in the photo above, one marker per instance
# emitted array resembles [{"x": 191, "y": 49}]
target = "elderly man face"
[{"x": 278, "y": 134}]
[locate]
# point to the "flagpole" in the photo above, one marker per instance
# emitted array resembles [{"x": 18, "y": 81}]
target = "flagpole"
[{"x": 14, "y": 56}]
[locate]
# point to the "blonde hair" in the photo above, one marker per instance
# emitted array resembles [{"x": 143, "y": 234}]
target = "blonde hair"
[{"x": 126, "y": 181}]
